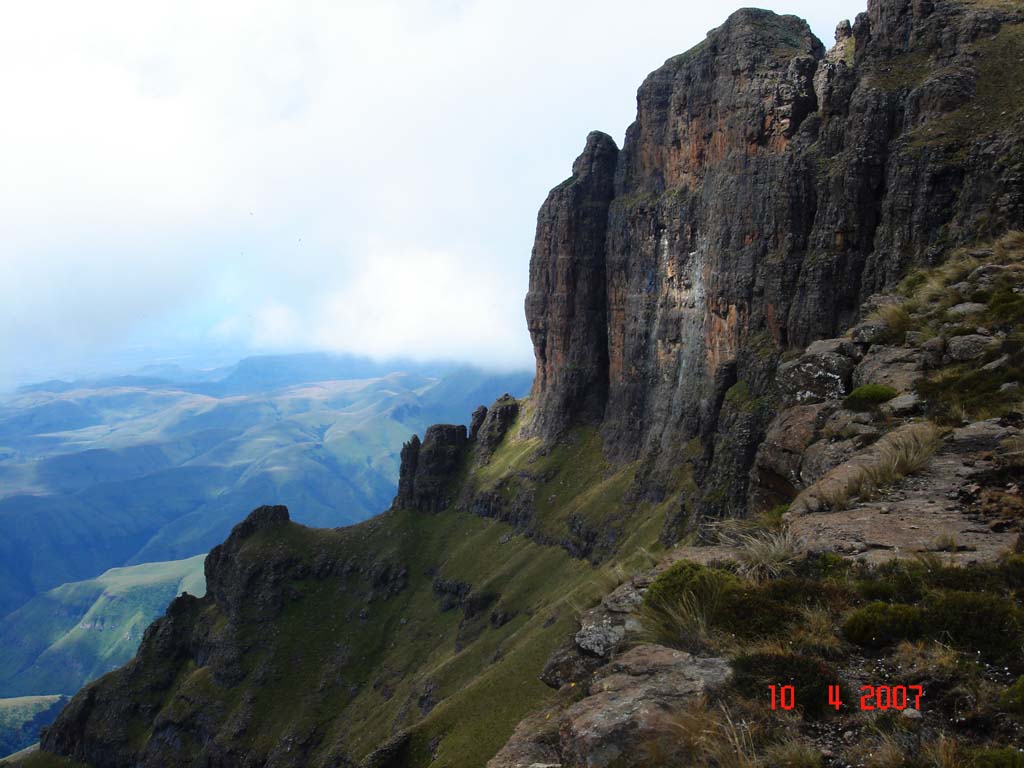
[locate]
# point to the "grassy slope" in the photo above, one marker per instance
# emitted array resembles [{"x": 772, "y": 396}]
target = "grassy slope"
[
  {"x": 20, "y": 719},
  {"x": 110, "y": 475},
  {"x": 72, "y": 634},
  {"x": 355, "y": 669},
  {"x": 485, "y": 678}
]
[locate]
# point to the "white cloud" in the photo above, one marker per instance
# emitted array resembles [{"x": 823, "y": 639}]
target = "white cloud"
[{"x": 169, "y": 168}]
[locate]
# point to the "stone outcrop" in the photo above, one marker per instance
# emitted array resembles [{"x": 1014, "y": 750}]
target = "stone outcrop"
[
  {"x": 495, "y": 424},
  {"x": 625, "y": 705},
  {"x": 428, "y": 468},
  {"x": 566, "y": 306}
]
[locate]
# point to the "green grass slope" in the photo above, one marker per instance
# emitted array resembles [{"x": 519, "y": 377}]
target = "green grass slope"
[
  {"x": 133, "y": 471},
  {"x": 22, "y": 717},
  {"x": 63, "y": 638},
  {"x": 431, "y": 626}
]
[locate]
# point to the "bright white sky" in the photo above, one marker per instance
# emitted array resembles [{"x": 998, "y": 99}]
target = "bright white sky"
[{"x": 194, "y": 178}]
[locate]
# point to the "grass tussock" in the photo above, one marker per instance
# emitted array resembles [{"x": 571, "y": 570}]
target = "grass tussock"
[
  {"x": 703, "y": 734},
  {"x": 896, "y": 319},
  {"x": 897, "y": 455},
  {"x": 767, "y": 554}
]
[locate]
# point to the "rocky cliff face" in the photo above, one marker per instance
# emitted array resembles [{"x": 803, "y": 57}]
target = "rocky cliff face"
[
  {"x": 566, "y": 307},
  {"x": 766, "y": 189}
]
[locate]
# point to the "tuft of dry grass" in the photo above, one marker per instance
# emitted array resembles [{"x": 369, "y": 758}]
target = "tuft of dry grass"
[
  {"x": 888, "y": 750},
  {"x": 944, "y": 752},
  {"x": 1010, "y": 247},
  {"x": 896, "y": 319},
  {"x": 685, "y": 622},
  {"x": 792, "y": 754},
  {"x": 816, "y": 634},
  {"x": 892, "y": 458},
  {"x": 704, "y": 735},
  {"x": 767, "y": 554},
  {"x": 929, "y": 660}
]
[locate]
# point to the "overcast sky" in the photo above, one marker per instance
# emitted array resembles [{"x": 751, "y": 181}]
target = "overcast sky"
[{"x": 212, "y": 178}]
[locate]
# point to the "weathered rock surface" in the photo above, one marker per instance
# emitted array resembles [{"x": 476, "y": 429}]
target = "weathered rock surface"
[
  {"x": 926, "y": 512},
  {"x": 496, "y": 422},
  {"x": 427, "y": 469},
  {"x": 566, "y": 306},
  {"x": 766, "y": 196},
  {"x": 814, "y": 378},
  {"x": 623, "y": 707},
  {"x": 896, "y": 367},
  {"x": 628, "y": 696},
  {"x": 963, "y": 349}
]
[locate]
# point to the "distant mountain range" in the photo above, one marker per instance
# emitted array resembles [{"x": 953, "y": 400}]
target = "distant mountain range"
[{"x": 110, "y": 472}]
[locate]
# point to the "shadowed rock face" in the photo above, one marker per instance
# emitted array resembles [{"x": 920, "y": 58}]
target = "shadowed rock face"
[
  {"x": 766, "y": 189},
  {"x": 427, "y": 468},
  {"x": 566, "y": 303}
]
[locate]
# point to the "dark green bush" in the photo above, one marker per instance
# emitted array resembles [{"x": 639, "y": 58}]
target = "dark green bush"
[
  {"x": 977, "y": 622},
  {"x": 732, "y": 605},
  {"x": 898, "y": 581},
  {"x": 1006, "y": 305},
  {"x": 1001, "y": 757},
  {"x": 810, "y": 678},
  {"x": 869, "y": 396},
  {"x": 751, "y": 612},
  {"x": 880, "y": 624},
  {"x": 684, "y": 577},
  {"x": 1012, "y": 699},
  {"x": 1012, "y": 570}
]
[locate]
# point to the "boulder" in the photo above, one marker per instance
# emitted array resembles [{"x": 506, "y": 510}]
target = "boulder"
[
  {"x": 843, "y": 347},
  {"x": 871, "y": 331},
  {"x": 813, "y": 378},
  {"x": 780, "y": 455},
  {"x": 628, "y": 699},
  {"x": 896, "y": 367},
  {"x": 904, "y": 405},
  {"x": 966, "y": 309},
  {"x": 934, "y": 349},
  {"x": 962, "y": 349}
]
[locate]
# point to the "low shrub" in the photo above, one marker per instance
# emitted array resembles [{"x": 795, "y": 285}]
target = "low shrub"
[
  {"x": 975, "y": 621},
  {"x": 898, "y": 581},
  {"x": 686, "y": 576},
  {"x": 998, "y": 757},
  {"x": 1012, "y": 570},
  {"x": 1013, "y": 699},
  {"x": 868, "y": 397},
  {"x": 880, "y": 624},
  {"x": 810, "y": 678},
  {"x": 752, "y": 612}
]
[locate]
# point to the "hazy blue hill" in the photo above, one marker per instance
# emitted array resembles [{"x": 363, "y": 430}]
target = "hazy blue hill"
[
  {"x": 109, "y": 472},
  {"x": 63, "y": 638}
]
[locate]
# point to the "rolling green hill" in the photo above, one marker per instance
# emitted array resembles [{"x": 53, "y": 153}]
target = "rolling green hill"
[
  {"x": 63, "y": 638},
  {"x": 22, "y": 717},
  {"x": 131, "y": 470}
]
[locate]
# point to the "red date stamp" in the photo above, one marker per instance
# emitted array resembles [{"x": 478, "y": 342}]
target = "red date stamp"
[{"x": 873, "y": 697}]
